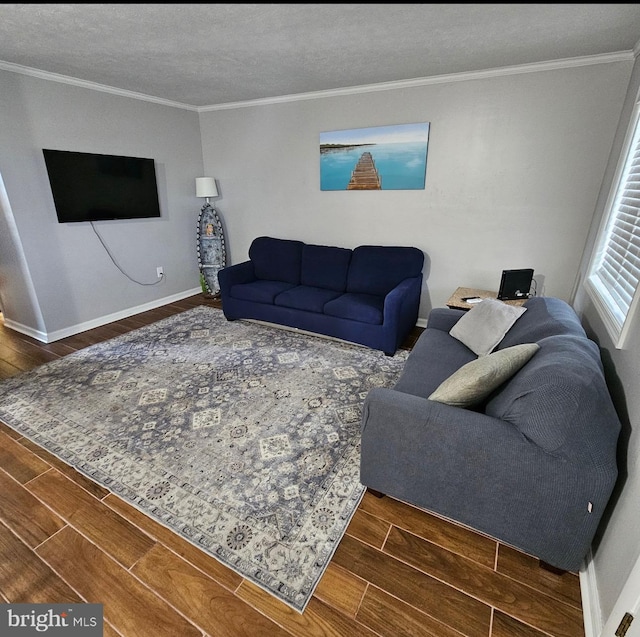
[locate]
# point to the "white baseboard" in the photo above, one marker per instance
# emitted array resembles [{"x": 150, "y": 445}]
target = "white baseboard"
[
  {"x": 25, "y": 329},
  {"x": 591, "y": 611},
  {"x": 50, "y": 337}
]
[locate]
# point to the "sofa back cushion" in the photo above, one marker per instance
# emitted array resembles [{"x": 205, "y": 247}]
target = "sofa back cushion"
[
  {"x": 276, "y": 259},
  {"x": 435, "y": 357},
  {"x": 378, "y": 269},
  {"x": 560, "y": 401},
  {"x": 545, "y": 316},
  {"x": 325, "y": 267}
]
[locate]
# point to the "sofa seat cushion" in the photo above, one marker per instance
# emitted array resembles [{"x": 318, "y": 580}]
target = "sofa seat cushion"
[
  {"x": 304, "y": 297},
  {"x": 325, "y": 267},
  {"x": 276, "y": 259},
  {"x": 365, "y": 308},
  {"x": 259, "y": 291}
]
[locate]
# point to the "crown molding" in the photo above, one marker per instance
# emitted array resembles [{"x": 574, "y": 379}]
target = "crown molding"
[
  {"x": 94, "y": 86},
  {"x": 622, "y": 56},
  {"x": 607, "y": 58}
]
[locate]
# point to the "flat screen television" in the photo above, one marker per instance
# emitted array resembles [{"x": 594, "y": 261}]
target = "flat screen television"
[{"x": 90, "y": 187}]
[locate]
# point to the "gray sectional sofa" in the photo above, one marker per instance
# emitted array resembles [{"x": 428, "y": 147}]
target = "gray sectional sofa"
[{"x": 533, "y": 464}]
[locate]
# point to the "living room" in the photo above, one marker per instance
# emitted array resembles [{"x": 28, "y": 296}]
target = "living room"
[{"x": 520, "y": 162}]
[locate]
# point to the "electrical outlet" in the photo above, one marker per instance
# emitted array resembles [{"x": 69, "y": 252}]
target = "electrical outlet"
[{"x": 160, "y": 271}]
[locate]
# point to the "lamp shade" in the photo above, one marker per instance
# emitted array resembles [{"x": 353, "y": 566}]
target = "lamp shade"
[{"x": 206, "y": 187}]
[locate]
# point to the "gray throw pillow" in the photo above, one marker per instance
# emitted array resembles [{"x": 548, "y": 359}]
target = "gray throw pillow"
[
  {"x": 485, "y": 325},
  {"x": 473, "y": 382}
]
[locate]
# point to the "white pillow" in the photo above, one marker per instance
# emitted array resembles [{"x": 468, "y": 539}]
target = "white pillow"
[
  {"x": 485, "y": 325},
  {"x": 473, "y": 382}
]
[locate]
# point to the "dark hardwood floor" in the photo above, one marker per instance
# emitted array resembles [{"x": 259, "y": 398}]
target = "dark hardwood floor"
[{"x": 398, "y": 571}]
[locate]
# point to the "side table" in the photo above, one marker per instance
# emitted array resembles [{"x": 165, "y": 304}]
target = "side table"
[{"x": 455, "y": 300}]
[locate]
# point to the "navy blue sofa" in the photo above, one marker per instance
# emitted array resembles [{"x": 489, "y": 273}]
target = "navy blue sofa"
[
  {"x": 533, "y": 466},
  {"x": 369, "y": 295}
]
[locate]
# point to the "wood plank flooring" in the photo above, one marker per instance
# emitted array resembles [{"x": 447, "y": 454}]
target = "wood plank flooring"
[{"x": 398, "y": 571}]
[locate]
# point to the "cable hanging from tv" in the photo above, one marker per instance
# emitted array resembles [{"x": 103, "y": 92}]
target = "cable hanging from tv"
[{"x": 104, "y": 245}]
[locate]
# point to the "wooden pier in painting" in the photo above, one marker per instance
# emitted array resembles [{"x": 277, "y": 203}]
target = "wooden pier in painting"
[{"x": 365, "y": 174}]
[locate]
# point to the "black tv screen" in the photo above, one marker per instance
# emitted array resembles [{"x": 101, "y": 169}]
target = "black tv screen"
[{"x": 90, "y": 187}]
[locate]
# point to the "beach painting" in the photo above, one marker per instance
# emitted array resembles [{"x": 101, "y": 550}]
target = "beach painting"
[{"x": 380, "y": 158}]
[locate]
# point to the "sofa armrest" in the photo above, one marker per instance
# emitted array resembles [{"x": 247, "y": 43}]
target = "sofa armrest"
[
  {"x": 406, "y": 289},
  {"x": 403, "y": 301},
  {"x": 444, "y": 318},
  {"x": 400, "y": 311},
  {"x": 234, "y": 274}
]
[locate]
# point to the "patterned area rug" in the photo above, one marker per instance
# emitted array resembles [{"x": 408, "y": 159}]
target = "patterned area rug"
[{"x": 240, "y": 437}]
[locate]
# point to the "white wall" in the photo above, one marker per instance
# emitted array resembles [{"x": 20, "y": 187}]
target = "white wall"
[
  {"x": 619, "y": 544},
  {"x": 74, "y": 280},
  {"x": 514, "y": 168}
]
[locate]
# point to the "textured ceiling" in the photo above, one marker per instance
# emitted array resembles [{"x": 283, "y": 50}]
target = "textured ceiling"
[{"x": 209, "y": 54}]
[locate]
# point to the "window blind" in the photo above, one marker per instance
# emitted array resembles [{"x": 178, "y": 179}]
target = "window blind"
[{"x": 617, "y": 267}]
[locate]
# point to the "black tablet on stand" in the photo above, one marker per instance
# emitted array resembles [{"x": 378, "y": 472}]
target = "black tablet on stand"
[{"x": 515, "y": 284}]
